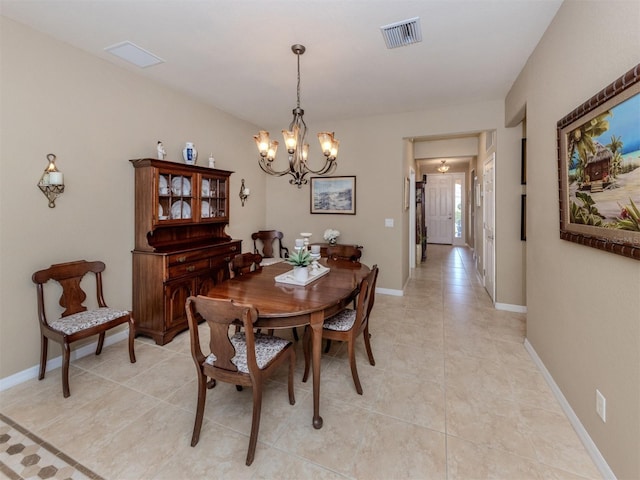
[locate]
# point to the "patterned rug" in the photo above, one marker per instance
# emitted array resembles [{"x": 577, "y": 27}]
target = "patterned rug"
[{"x": 24, "y": 455}]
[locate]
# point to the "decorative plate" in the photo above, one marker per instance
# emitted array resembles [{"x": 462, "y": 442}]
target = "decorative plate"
[
  {"x": 163, "y": 186},
  {"x": 181, "y": 186},
  {"x": 205, "y": 187},
  {"x": 180, "y": 209},
  {"x": 205, "y": 211}
]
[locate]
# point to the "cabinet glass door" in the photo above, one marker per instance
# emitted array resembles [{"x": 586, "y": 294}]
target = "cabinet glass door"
[
  {"x": 212, "y": 191},
  {"x": 175, "y": 197}
]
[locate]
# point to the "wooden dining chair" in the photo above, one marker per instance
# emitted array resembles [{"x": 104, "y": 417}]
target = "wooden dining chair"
[
  {"x": 76, "y": 321},
  {"x": 244, "y": 359},
  {"x": 351, "y": 253},
  {"x": 269, "y": 242},
  {"x": 347, "y": 325},
  {"x": 246, "y": 263}
]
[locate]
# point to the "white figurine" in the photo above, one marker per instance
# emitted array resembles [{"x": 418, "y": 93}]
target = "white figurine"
[
  {"x": 212, "y": 161},
  {"x": 161, "y": 151}
]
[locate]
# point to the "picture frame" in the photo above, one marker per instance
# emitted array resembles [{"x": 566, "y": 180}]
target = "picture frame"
[
  {"x": 523, "y": 217},
  {"x": 598, "y": 168},
  {"x": 333, "y": 195},
  {"x": 523, "y": 162}
]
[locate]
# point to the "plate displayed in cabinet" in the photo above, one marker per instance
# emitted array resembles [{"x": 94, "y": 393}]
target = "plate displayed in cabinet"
[
  {"x": 180, "y": 209},
  {"x": 205, "y": 187},
  {"x": 205, "y": 211},
  {"x": 161, "y": 215},
  {"x": 163, "y": 186},
  {"x": 181, "y": 186}
]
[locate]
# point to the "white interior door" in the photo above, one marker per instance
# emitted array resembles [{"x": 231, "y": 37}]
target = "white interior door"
[
  {"x": 439, "y": 209},
  {"x": 489, "y": 226}
]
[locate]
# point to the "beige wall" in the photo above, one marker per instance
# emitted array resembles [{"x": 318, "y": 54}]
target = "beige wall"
[
  {"x": 449, "y": 147},
  {"x": 94, "y": 117},
  {"x": 583, "y": 304}
]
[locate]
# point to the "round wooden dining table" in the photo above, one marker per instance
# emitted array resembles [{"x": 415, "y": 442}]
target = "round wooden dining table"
[{"x": 283, "y": 305}]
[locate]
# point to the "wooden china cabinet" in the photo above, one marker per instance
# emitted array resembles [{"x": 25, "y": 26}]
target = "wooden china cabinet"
[{"x": 181, "y": 247}]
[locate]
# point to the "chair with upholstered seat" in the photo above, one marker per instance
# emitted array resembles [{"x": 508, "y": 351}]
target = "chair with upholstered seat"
[
  {"x": 351, "y": 253},
  {"x": 77, "y": 321},
  {"x": 244, "y": 359},
  {"x": 348, "y": 324},
  {"x": 246, "y": 263},
  {"x": 268, "y": 243}
]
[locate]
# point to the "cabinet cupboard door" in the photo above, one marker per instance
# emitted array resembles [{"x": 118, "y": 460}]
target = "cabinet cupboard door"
[
  {"x": 213, "y": 198},
  {"x": 218, "y": 273},
  {"x": 176, "y": 294}
]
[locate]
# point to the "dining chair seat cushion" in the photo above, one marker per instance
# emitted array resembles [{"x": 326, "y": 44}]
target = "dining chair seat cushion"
[
  {"x": 341, "y": 321},
  {"x": 87, "y": 319},
  {"x": 267, "y": 348}
]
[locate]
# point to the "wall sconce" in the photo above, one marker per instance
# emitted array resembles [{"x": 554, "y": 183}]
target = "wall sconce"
[
  {"x": 52, "y": 181},
  {"x": 244, "y": 192}
]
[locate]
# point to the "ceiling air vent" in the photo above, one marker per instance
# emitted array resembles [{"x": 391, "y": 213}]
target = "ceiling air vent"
[{"x": 402, "y": 33}]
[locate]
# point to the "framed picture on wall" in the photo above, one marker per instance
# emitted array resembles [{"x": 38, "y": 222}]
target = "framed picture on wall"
[
  {"x": 523, "y": 162},
  {"x": 335, "y": 195},
  {"x": 599, "y": 169}
]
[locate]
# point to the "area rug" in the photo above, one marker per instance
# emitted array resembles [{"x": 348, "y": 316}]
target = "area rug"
[{"x": 24, "y": 455}]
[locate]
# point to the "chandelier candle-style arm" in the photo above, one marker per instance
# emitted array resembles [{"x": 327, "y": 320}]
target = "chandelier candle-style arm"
[{"x": 297, "y": 148}]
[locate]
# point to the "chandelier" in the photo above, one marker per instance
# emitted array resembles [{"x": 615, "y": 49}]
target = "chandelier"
[
  {"x": 294, "y": 140},
  {"x": 443, "y": 167}
]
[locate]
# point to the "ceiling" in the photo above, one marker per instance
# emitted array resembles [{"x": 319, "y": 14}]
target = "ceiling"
[{"x": 236, "y": 54}]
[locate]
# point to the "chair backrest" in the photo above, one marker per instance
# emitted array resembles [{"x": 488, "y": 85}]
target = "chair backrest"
[
  {"x": 69, "y": 275},
  {"x": 220, "y": 314},
  {"x": 266, "y": 239},
  {"x": 344, "y": 252},
  {"x": 246, "y": 263},
  {"x": 365, "y": 298},
  {"x": 372, "y": 295}
]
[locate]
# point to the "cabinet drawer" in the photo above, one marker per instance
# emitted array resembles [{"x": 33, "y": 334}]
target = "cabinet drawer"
[
  {"x": 187, "y": 268},
  {"x": 190, "y": 256}
]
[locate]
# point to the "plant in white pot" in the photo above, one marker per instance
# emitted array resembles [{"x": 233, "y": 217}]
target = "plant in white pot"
[{"x": 300, "y": 259}]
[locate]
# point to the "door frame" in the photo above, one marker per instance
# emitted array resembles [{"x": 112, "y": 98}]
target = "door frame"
[{"x": 485, "y": 207}]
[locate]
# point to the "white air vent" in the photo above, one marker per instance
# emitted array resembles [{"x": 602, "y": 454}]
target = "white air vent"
[
  {"x": 402, "y": 33},
  {"x": 132, "y": 53}
]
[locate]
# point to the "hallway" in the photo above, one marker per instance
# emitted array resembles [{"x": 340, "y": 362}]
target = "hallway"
[{"x": 453, "y": 395}]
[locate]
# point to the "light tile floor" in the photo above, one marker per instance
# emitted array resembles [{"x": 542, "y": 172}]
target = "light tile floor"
[{"x": 453, "y": 395}]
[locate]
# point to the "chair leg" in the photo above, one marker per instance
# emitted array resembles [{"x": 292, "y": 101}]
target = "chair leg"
[
  {"x": 327, "y": 346},
  {"x": 44, "y": 346},
  {"x": 367, "y": 345},
  {"x": 292, "y": 368},
  {"x": 306, "y": 344},
  {"x": 295, "y": 334},
  {"x": 132, "y": 337},
  {"x": 354, "y": 370},
  {"x": 255, "y": 421},
  {"x": 100, "y": 343},
  {"x": 66, "y": 356},
  {"x": 202, "y": 396}
]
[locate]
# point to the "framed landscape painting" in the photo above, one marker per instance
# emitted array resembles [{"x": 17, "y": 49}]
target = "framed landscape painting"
[
  {"x": 599, "y": 169},
  {"x": 333, "y": 195}
]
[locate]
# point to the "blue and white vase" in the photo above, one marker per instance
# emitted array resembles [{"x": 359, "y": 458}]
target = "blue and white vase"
[{"x": 190, "y": 154}]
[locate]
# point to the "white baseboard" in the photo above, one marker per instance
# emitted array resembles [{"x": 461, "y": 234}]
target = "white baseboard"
[
  {"x": 32, "y": 372},
  {"x": 511, "y": 308},
  {"x": 586, "y": 440},
  {"x": 389, "y": 291}
]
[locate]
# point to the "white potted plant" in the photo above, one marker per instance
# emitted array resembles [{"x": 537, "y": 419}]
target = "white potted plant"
[{"x": 300, "y": 259}]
